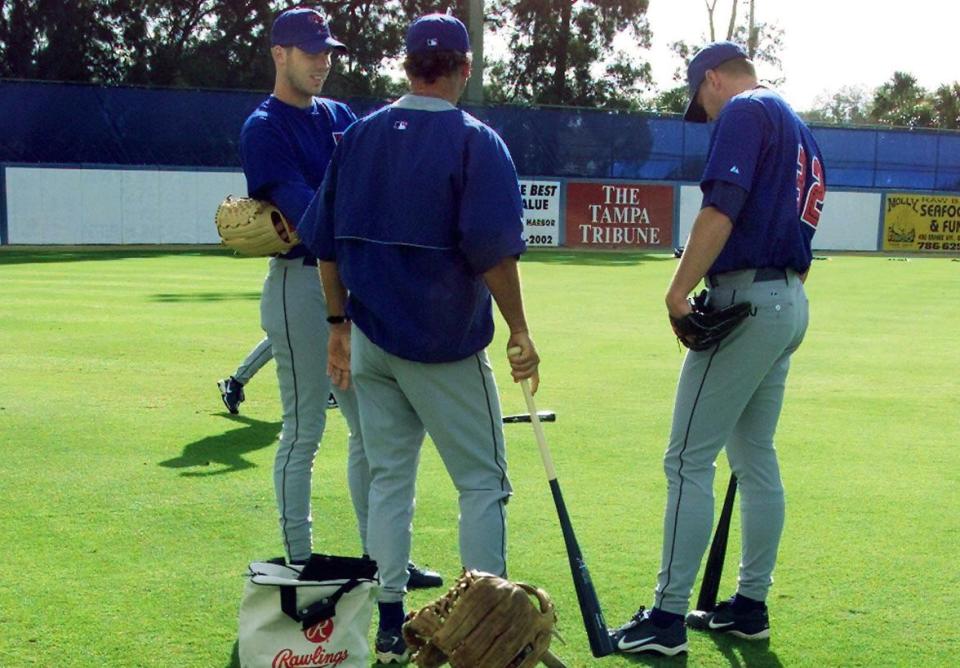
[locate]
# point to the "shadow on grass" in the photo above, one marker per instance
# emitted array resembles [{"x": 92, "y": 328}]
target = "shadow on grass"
[
  {"x": 224, "y": 452},
  {"x": 649, "y": 659},
  {"x": 51, "y": 254},
  {"x": 746, "y": 653},
  {"x": 595, "y": 258},
  {"x": 234, "y": 661},
  {"x": 183, "y": 297},
  {"x": 738, "y": 653}
]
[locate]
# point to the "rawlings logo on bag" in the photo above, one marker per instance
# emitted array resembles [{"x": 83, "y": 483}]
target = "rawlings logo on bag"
[
  {"x": 287, "y": 659},
  {"x": 319, "y": 632}
]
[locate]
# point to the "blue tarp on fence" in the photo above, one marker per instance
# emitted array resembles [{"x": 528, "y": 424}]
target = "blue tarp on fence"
[{"x": 73, "y": 124}]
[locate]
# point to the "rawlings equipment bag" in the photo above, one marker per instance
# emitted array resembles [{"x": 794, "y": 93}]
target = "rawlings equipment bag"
[
  {"x": 313, "y": 615},
  {"x": 483, "y": 621},
  {"x": 706, "y": 326},
  {"x": 253, "y": 227}
]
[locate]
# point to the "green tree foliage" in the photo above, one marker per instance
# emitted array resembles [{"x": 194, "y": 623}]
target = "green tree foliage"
[
  {"x": 946, "y": 106},
  {"x": 848, "y": 105},
  {"x": 199, "y": 43},
  {"x": 563, "y": 53},
  {"x": 196, "y": 43},
  {"x": 560, "y": 52},
  {"x": 60, "y": 40},
  {"x": 902, "y": 102},
  {"x": 374, "y": 30}
]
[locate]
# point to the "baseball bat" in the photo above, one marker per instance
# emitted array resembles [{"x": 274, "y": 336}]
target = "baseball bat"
[
  {"x": 707, "y": 599},
  {"x": 544, "y": 416},
  {"x": 593, "y": 621}
]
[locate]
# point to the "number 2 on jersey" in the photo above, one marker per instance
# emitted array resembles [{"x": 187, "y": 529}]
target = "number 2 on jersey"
[{"x": 812, "y": 205}]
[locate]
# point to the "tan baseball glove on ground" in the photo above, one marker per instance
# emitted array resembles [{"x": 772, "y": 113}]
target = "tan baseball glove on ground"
[
  {"x": 484, "y": 620},
  {"x": 253, "y": 227}
]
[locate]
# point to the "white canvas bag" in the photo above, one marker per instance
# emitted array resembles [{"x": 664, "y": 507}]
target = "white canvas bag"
[{"x": 319, "y": 621}]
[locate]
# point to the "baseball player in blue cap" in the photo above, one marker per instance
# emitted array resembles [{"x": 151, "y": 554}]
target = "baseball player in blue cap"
[
  {"x": 420, "y": 220},
  {"x": 285, "y": 146},
  {"x": 763, "y": 190}
]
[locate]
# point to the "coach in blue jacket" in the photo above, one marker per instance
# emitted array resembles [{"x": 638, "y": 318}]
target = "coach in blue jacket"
[{"x": 419, "y": 220}]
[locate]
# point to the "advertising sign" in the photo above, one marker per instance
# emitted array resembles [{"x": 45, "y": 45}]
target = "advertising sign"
[{"x": 619, "y": 215}]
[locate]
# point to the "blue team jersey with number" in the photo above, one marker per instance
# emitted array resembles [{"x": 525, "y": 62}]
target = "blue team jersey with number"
[
  {"x": 420, "y": 200},
  {"x": 285, "y": 151},
  {"x": 762, "y": 146}
]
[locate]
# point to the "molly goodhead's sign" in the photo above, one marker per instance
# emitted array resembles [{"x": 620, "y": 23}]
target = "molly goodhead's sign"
[{"x": 921, "y": 222}]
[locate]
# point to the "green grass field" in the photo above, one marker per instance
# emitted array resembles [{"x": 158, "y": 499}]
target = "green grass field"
[{"x": 131, "y": 502}]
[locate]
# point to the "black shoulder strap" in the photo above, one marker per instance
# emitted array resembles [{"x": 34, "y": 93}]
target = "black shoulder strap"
[{"x": 316, "y": 612}]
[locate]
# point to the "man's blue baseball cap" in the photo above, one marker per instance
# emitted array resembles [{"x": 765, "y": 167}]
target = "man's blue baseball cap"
[
  {"x": 305, "y": 29},
  {"x": 709, "y": 57},
  {"x": 437, "y": 32}
]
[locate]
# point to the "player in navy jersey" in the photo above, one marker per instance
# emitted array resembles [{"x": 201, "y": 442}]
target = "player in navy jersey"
[
  {"x": 420, "y": 219},
  {"x": 285, "y": 146},
  {"x": 763, "y": 190}
]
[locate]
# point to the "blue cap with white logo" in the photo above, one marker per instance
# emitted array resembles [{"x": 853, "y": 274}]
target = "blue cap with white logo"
[
  {"x": 437, "y": 32},
  {"x": 305, "y": 29},
  {"x": 709, "y": 57}
]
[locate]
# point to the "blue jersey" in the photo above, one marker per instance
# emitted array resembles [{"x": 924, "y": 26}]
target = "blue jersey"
[
  {"x": 419, "y": 201},
  {"x": 285, "y": 151},
  {"x": 760, "y": 145}
]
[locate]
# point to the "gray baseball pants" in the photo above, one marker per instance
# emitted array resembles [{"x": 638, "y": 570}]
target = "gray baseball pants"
[
  {"x": 731, "y": 396},
  {"x": 293, "y": 314},
  {"x": 254, "y": 361},
  {"x": 458, "y": 405}
]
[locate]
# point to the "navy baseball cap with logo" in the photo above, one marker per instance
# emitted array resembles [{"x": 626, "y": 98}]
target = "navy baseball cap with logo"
[
  {"x": 710, "y": 57},
  {"x": 437, "y": 32},
  {"x": 305, "y": 29}
]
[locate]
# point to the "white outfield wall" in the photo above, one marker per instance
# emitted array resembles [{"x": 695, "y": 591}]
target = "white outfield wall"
[
  {"x": 47, "y": 205},
  {"x": 56, "y": 205},
  {"x": 850, "y": 220}
]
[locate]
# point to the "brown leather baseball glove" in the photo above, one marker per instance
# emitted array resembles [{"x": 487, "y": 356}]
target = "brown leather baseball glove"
[
  {"x": 253, "y": 227},
  {"x": 484, "y": 620}
]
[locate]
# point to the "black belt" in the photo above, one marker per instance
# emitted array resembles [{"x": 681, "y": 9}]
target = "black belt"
[{"x": 759, "y": 276}]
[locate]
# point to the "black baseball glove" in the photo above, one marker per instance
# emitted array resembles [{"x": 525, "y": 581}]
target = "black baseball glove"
[{"x": 706, "y": 326}]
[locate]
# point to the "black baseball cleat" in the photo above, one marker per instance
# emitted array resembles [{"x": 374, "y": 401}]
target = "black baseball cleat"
[
  {"x": 640, "y": 634},
  {"x": 332, "y": 402},
  {"x": 421, "y": 578},
  {"x": 751, "y": 624},
  {"x": 231, "y": 391},
  {"x": 391, "y": 648}
]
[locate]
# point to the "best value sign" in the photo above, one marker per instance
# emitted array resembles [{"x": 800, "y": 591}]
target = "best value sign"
[
  {"x": 619, "y": 215},
  {"x": 541, "y": 212}
]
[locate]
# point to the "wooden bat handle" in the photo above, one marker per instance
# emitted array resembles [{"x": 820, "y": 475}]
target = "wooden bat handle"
[{"x": 535, "y": 421}]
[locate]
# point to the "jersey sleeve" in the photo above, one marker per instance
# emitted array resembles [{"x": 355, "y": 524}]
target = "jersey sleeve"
[
  {"x": 724, "y": 197},
  {"x": 271, "y": 169},
  {"x": 736, "y": 145},
  {"x": 315, "y": 228},
  {"x": 491, "y": 210}
]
